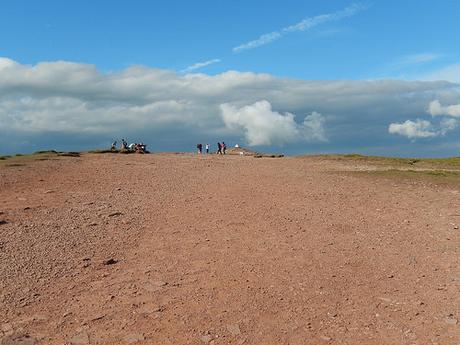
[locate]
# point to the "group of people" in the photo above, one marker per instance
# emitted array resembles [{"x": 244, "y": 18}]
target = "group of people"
[
  {"x": 221, "y": 148},
  {"x": 134, "y": 147}
]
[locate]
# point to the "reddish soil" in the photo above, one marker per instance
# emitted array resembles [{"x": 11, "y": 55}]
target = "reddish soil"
[{"x": 181, "y": 249}]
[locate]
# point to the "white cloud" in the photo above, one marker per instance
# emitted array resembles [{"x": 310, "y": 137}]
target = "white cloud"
[
  {"x": 413, "y": 129},
  {"x": 199, "y": 65},
  {"x": 303, "y": 25},
  {"x": 264, "y": 126},
  {"x": 422, "y": 128},
  {"x": 313, "y": 127},
  {"x": 435, "y": 108},
  {"x": 448, "y": 124}
]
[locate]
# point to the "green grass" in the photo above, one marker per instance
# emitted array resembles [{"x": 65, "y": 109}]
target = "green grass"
[{"x": 20, "y": 159}]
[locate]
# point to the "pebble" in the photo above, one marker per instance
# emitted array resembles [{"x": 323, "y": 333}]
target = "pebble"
[
  {"x": 18, "y": 339},
  {"x": 234, "y": 329},
  {"x": 81, "y": 338},
  {"x": 110, "y": 262},
  {"x": 134, "y": 338},
  {"x": 206, "y": 338},
  {"x": 451, "y": 320}
]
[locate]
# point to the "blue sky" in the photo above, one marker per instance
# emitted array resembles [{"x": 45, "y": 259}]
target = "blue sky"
[{"x": 411, "y": 43}]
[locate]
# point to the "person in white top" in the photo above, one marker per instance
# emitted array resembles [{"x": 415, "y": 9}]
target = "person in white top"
[{"x": 207, "y": 148}]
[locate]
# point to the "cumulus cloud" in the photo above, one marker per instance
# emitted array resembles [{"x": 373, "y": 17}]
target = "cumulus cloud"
[
  {"x": 303, "y": 25},
  {"x": 436, "y": 109},
  {"x": 422, "y": 128},
  {"x": 57, "y": 102},
  {"x": 199, "y": 65},
  {"x": 313, "y": 127},
  {"x": 264, "y": 126},
  {"x": 413, "y": 129}
]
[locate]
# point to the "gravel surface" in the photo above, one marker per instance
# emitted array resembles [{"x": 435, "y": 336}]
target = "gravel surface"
[{"x": 182, "y": 249}]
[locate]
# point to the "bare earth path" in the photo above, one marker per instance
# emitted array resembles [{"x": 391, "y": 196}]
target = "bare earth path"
[{"x": 224, "y": 250}]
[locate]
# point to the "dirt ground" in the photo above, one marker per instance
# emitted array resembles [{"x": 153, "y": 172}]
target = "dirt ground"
[{"x": 182, "y": 249}]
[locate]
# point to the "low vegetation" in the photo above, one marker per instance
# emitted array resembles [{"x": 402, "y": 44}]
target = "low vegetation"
[{"x": 451, "y": 163}]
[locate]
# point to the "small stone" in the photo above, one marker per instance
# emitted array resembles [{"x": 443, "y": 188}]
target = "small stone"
[
  {"x": 451, "y": 320},
  {"x": 234, "y": 329},
  {"x": 134, "y": 338},
  {"x": 114, "y": 214},
  {"x": 110, "y": 262},
  {"x": 326, "y": 338},
  {"x": 18, "y": 339},
  {"x": 49, "y": 191},
  {"x": 456, "y": 227},
  {"x": 150, "y": 309},
  {"x": 81, "y": 338},
  {"x": 206, "y": 338}
]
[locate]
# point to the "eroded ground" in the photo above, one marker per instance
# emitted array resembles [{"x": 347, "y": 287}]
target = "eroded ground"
[{"x": 225, "y": 250}]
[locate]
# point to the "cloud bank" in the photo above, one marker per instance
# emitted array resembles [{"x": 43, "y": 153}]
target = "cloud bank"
[
  {"x": 68, "y": 105},
  {"x": 303, "y": 25}
]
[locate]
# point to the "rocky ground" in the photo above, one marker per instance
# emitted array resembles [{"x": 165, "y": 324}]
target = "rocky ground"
[{"x": 182, "y": 249}]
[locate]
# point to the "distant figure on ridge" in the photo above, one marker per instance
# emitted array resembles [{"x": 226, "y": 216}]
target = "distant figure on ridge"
[
  {"x": 124, "y": 144},
  {"x": 114, "y": 146},
  {"x": 224, "y": 147},
  {"x": 219, "y": 148},
  {"x": 200, "y": 148},
  {"x": 207, "y": 148}
]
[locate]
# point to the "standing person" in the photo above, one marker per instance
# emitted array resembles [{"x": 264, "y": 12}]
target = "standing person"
[
  {"x": 219, "y": 149},
  {"x": 224, "y": 147},
  {"x": 124, "y": 144},
  {"x": 207, "y": 148},
  {"x": 200, "y": 148},
  {"x": 114, "y": 146}
]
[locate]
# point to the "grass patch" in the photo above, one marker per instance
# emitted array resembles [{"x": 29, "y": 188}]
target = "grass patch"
[
  {"x": 427, "y": 163},
  {"x": 69, "y": 154},
  {"x": 45, "y": 152},
  {"x": 104, "y": 151},
  {"x": 437, "y": 177}
]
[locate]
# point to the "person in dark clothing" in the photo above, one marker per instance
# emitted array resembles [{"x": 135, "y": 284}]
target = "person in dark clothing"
[
  {"x": 219, "y": 148},
  {"x": 224, "y": 147},
  {"x": 200, "y": 148}
]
